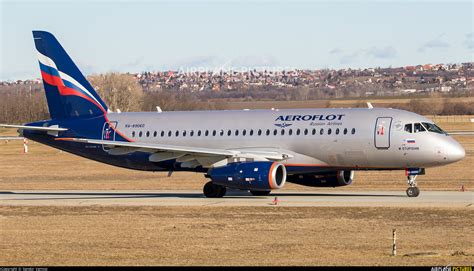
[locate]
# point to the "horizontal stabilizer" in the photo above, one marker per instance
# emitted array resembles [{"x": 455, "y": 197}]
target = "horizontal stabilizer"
[
  {"x": 11, "y": 138},
  {"x": 35, "y": 128}
]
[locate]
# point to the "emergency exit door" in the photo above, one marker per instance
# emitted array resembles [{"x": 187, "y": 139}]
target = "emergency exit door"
[{"x": 382, "y": 132}]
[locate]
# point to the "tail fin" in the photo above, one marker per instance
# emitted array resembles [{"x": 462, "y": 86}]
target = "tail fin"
[{"x": 68, "y": 92}]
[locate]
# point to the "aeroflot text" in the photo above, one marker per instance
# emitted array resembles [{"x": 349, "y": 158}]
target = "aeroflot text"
[{"x": 309, "y": 117}]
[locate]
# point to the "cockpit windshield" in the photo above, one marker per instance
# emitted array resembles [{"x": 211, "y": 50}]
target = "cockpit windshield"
[
  {"x": 423, "y": 127},
  {"x": 431, "y": 127}
]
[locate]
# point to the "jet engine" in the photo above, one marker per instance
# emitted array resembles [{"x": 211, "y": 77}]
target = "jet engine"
[
  {"x": 327, "y": 179},
  {"x": 255, "y": 176}
]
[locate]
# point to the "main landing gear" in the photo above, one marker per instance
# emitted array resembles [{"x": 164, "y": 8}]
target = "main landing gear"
[
  {"x": 260, "y": 193},
  {"x": 212, "y": 190},
  {"x": 413, "y": 190}
]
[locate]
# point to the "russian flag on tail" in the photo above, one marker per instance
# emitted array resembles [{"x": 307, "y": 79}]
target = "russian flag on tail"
[{"x": 68, "y": 92}]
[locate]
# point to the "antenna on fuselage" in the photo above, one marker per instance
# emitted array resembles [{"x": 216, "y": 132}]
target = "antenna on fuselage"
[
  {"x": 158, "y": 109},
  {"x": 369, "y": 105}
]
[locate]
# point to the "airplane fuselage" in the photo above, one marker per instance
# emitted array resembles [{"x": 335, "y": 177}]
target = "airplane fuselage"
[{"x": 316, "y": 139}]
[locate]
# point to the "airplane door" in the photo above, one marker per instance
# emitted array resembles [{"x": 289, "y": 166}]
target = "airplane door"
[
  {"x": 382, "y": 132},
  {"x": 108, "y": 132}
]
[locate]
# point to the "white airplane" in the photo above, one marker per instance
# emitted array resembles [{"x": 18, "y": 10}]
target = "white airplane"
[{"x": 254, "y": 150}]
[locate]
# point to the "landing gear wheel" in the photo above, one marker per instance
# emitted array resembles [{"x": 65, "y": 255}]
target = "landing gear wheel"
[
  {"x": 223, "y": 191},
  {"x": 260, "y": 193},
  {"x": 413, "y": 191},
  {"x": 211, "y": 190}
]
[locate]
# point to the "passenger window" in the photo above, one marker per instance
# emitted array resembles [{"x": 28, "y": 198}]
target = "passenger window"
[
  {"x": 314, "y": 131},
  {"x": 147, "y": 133},
  {"x": 229, "y": 133},
  {"x": 329, "y": 131},
  {"x": 192, "y": 133},
  {"x": 133, "y": 134},
  {"x": 162, "y": 134},
  {"x": 199, "y": 132},
  {"x": 337, "y": 131},
  {"x": 290, "y": 132},
  {"x": 321, "y": 132},
  {"x": 244, "y": 132},
  {"x": 345, "y": 131},
  {"x": 251, "y": 132},
  {"x": 177, "y": 133},
  {"x": 267, "y": 132},
  {"x": 259, "y": 132},
  {"x": 409, "y": 128},
  {"x": 297, "y": 131},
  {"x": 140, "y": 134},
  {"x": 305, "y": 131},
  {"x": 214, "y": 133},
  {"x": 282, "y": 131},
  {"x": 353, "y": 131},
  {"x": 275, "y": 132},
  {"x": 207, "y": 132},
  {"x": 418, "y": 128},
  {"x": 236, "y": 132},
  {"x": 169, "y": 133},
  {"x": 221, "y": 132}
]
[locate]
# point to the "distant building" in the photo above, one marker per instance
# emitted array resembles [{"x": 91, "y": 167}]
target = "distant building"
[{"x": 445, "y": 89}]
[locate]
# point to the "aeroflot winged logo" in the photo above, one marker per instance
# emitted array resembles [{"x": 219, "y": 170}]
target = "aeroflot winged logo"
[{"x": 292, "y": 118}]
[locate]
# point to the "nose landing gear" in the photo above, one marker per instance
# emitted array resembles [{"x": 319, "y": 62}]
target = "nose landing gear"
[{"x": 413, "y": 190}]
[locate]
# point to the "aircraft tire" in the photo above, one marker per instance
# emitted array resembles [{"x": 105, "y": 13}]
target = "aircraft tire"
[
  {"x": 413, "y": 191},
  {"x": 212, "y": 190},
  {"x": 260, "y": 193},
  {"x": 223, "y": 191}
]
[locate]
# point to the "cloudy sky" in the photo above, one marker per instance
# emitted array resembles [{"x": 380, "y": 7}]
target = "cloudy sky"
[{"x": 134, "y": 36}]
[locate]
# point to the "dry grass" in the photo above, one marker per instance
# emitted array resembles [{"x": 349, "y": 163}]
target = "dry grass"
[{"x": 233, "y": 236}]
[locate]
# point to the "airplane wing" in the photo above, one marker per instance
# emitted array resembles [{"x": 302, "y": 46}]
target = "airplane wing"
[{"x": 189, "y": 156}]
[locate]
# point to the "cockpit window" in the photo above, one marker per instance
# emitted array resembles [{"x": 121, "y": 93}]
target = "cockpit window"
[
  {"x": 418, "y": 128},
  {"x": 431, "y": 127},
  {"x": 409, "y": 128}
]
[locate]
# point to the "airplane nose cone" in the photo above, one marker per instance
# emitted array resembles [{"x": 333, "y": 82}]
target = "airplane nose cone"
[{"x": 456, "y": 152}]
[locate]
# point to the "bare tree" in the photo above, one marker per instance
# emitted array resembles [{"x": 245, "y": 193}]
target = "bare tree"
[{"x": 119, "y": 91}]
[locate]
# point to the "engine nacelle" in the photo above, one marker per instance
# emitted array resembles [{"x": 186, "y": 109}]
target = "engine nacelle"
[
  {"x": 256, "y": 176},
  {"x": 329, "y": 179}
]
